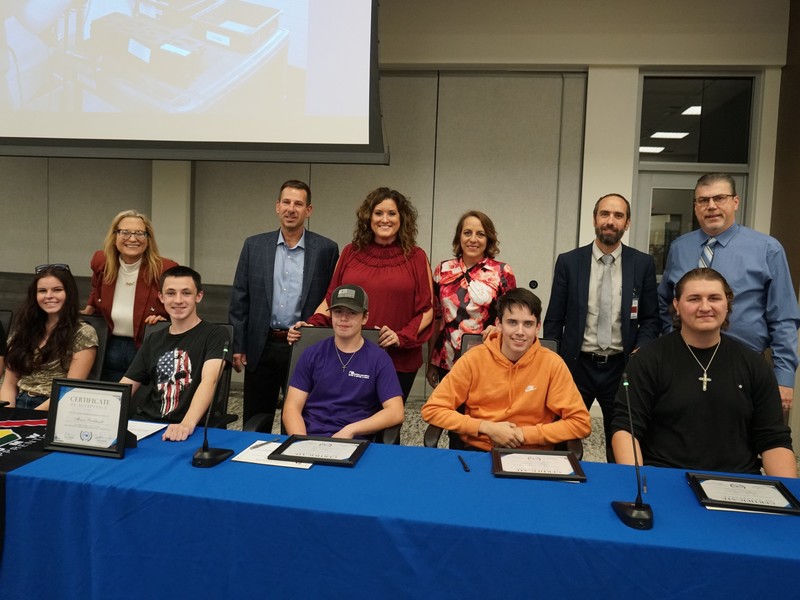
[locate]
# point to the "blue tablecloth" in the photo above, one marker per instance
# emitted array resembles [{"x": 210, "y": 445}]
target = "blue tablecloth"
[{"x": 404, "y": 522}]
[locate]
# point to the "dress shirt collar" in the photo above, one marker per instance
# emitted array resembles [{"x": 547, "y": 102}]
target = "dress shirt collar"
[
  {"x": 597, "y": 253},
  {"x": 300, "y": 244},
  {"x": 723, "y": 238}
]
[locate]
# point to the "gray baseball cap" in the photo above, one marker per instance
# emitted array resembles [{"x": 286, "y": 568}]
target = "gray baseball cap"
[{"x": 350, "y": 296}]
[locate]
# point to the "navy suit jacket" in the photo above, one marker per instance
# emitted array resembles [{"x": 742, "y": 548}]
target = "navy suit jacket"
[
  {"x": 250, "y": 308},
  {"x": 569, "y": 301}
]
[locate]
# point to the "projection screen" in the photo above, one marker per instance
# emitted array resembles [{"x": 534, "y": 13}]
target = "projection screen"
[{"x": 270, "y": 80}]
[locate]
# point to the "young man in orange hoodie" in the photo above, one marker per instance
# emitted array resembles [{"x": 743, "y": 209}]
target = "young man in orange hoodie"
[{"x": 517, "y": 394}]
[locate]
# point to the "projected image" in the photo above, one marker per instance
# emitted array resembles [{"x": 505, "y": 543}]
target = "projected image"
[{"x": 223, "y": 70}]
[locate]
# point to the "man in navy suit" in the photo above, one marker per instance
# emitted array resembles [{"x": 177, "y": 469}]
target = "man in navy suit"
[
  {"x": 603, "y": 306},
  {"x": 281, "y": 278}
]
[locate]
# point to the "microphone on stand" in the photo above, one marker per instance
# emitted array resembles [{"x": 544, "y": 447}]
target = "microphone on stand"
[
  {"x": 207, "y": 457},
  {"x": 637, "y": 514}
]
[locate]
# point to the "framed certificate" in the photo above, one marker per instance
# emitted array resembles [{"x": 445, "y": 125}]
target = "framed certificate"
[
  {"x": 320, "y": 450},
  {"x": 536, "y": 464},
  {"x": 88, "y": 417},
  {"x": 717, "y": 492}
]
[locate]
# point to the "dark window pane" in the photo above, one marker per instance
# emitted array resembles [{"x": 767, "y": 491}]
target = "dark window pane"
[{"x": 719, "y": 134}]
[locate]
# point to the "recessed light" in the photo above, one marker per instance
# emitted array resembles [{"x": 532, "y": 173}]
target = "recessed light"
[
  {"x": 693, "y": 110},
  {"x": 651, "y": 149},
  {"x": 670, "y": 135}
]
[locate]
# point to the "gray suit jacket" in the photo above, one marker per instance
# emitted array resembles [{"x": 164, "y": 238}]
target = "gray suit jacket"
[{"x": 251, "y": 296}]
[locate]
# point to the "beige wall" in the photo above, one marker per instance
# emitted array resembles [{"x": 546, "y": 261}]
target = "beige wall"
[
  {"x": 613, "y": 41},
  {"x": 59, "y": 210},
  {"x": 581, "y": 33},
  {"x": 507, "y": 144}
]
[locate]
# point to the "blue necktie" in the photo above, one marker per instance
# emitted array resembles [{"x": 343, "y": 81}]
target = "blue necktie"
[{"x": 708, "y": 253}]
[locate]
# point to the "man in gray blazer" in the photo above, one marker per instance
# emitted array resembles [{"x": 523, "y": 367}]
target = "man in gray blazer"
[
  {"x": 597, "y": 332},
  {"x": 281, "y": 278}
]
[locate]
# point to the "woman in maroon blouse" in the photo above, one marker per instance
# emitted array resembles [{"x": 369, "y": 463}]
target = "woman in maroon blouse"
[{"x": 384, "y": 259}]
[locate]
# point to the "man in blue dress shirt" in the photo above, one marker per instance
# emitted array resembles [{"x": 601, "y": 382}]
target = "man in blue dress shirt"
[
  {"x": 281, "y": 278},
  {"x": 765, "y": 314}
]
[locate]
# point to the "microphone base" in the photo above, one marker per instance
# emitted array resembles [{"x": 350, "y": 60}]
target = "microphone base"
[
  {"x": 635, "y": 515},
  {"x": 210, "y": 457}
]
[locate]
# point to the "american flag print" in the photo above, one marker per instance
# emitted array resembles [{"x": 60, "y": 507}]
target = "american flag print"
[{"x": 173, "y": 375}]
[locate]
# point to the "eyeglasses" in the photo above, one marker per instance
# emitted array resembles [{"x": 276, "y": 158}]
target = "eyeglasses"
[
  {"x": 51, "y": 267},
  {"x": 127, "y": 233},
  {"x": 719, "y": 199}
]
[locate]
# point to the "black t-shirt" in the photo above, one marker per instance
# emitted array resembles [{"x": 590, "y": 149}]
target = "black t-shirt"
[
  {"x": 173, "y": 364},
  {"x": 721, "y": 429}
]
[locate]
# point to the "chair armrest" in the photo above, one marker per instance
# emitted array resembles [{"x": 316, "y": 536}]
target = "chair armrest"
[
  {"x": 391, "y": 435},
  {"x": 574, "y": 446},
  {"x": 431, "y": 437},
  {"x": 261, "y": 422},
  {"x": 222, "y": 421}
]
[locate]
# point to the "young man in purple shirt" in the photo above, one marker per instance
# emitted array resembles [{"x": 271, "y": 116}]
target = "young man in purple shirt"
[{"x": 344, "y": 386}]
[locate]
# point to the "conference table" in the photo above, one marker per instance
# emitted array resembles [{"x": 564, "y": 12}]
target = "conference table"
[{"x": 405, "y": 522}]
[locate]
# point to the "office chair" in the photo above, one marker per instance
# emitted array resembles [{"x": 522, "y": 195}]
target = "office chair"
[
  {"x": 5, "y": 320},
  {"x": 468, "y": 341},
  {"x": 310, "y": 336},
  {"x": 101, "y": 327},
  {"x": 5, "y": 323},
  {"x": 433, "y": 433},
  {"x": 220, "y": 418}
]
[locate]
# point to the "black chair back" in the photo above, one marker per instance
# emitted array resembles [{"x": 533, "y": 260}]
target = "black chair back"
[
  {"x": 5, "y": 322},
  {"x": 101, "y": 327},
  {"x": 549, "y": 343},
  {"x": 469, "y": 340}
]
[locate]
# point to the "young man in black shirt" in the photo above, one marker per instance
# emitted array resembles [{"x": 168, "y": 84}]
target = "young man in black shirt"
[{"x": 182, "y": 361}]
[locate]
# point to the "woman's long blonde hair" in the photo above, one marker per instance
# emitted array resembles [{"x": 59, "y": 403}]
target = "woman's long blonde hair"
[{"x": 152, "y": 259}]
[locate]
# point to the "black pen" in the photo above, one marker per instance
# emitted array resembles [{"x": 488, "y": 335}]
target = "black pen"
[
  {"x": 463, "y": 463},
  {"x": 264, "y": 443}
]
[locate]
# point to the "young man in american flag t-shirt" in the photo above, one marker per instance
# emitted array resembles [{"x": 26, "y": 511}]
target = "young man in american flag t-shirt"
[{"x": 182, "y": 361}]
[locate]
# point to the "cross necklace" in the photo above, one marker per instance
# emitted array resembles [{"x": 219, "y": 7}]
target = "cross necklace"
[{"x": 705, "y": 378}]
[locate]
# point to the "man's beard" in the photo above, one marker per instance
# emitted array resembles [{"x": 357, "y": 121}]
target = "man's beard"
[{"x": 609, "y": 237}]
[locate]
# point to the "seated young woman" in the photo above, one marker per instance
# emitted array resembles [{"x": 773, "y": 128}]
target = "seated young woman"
[{"x": 48, "y": 340}]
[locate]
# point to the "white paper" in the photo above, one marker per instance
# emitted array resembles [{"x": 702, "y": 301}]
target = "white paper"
[
  {"x": 258, "y": 453},
  {"x": 321, "y": 449},
  {"x": 744, "y": 493},
  {"x": 546, "y": 464},
  {"x": 143, "y": 429}
]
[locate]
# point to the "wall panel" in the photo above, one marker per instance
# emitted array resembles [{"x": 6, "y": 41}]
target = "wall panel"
[
  {"x": 58, "y": 210},
  {"x": 84, "y": 195},
  {"x": 409, "y": 109},
  {"x": 498, "y": 150},
  {"x": 231, "y": 202},
  {"x": 23, "y": 213}
]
